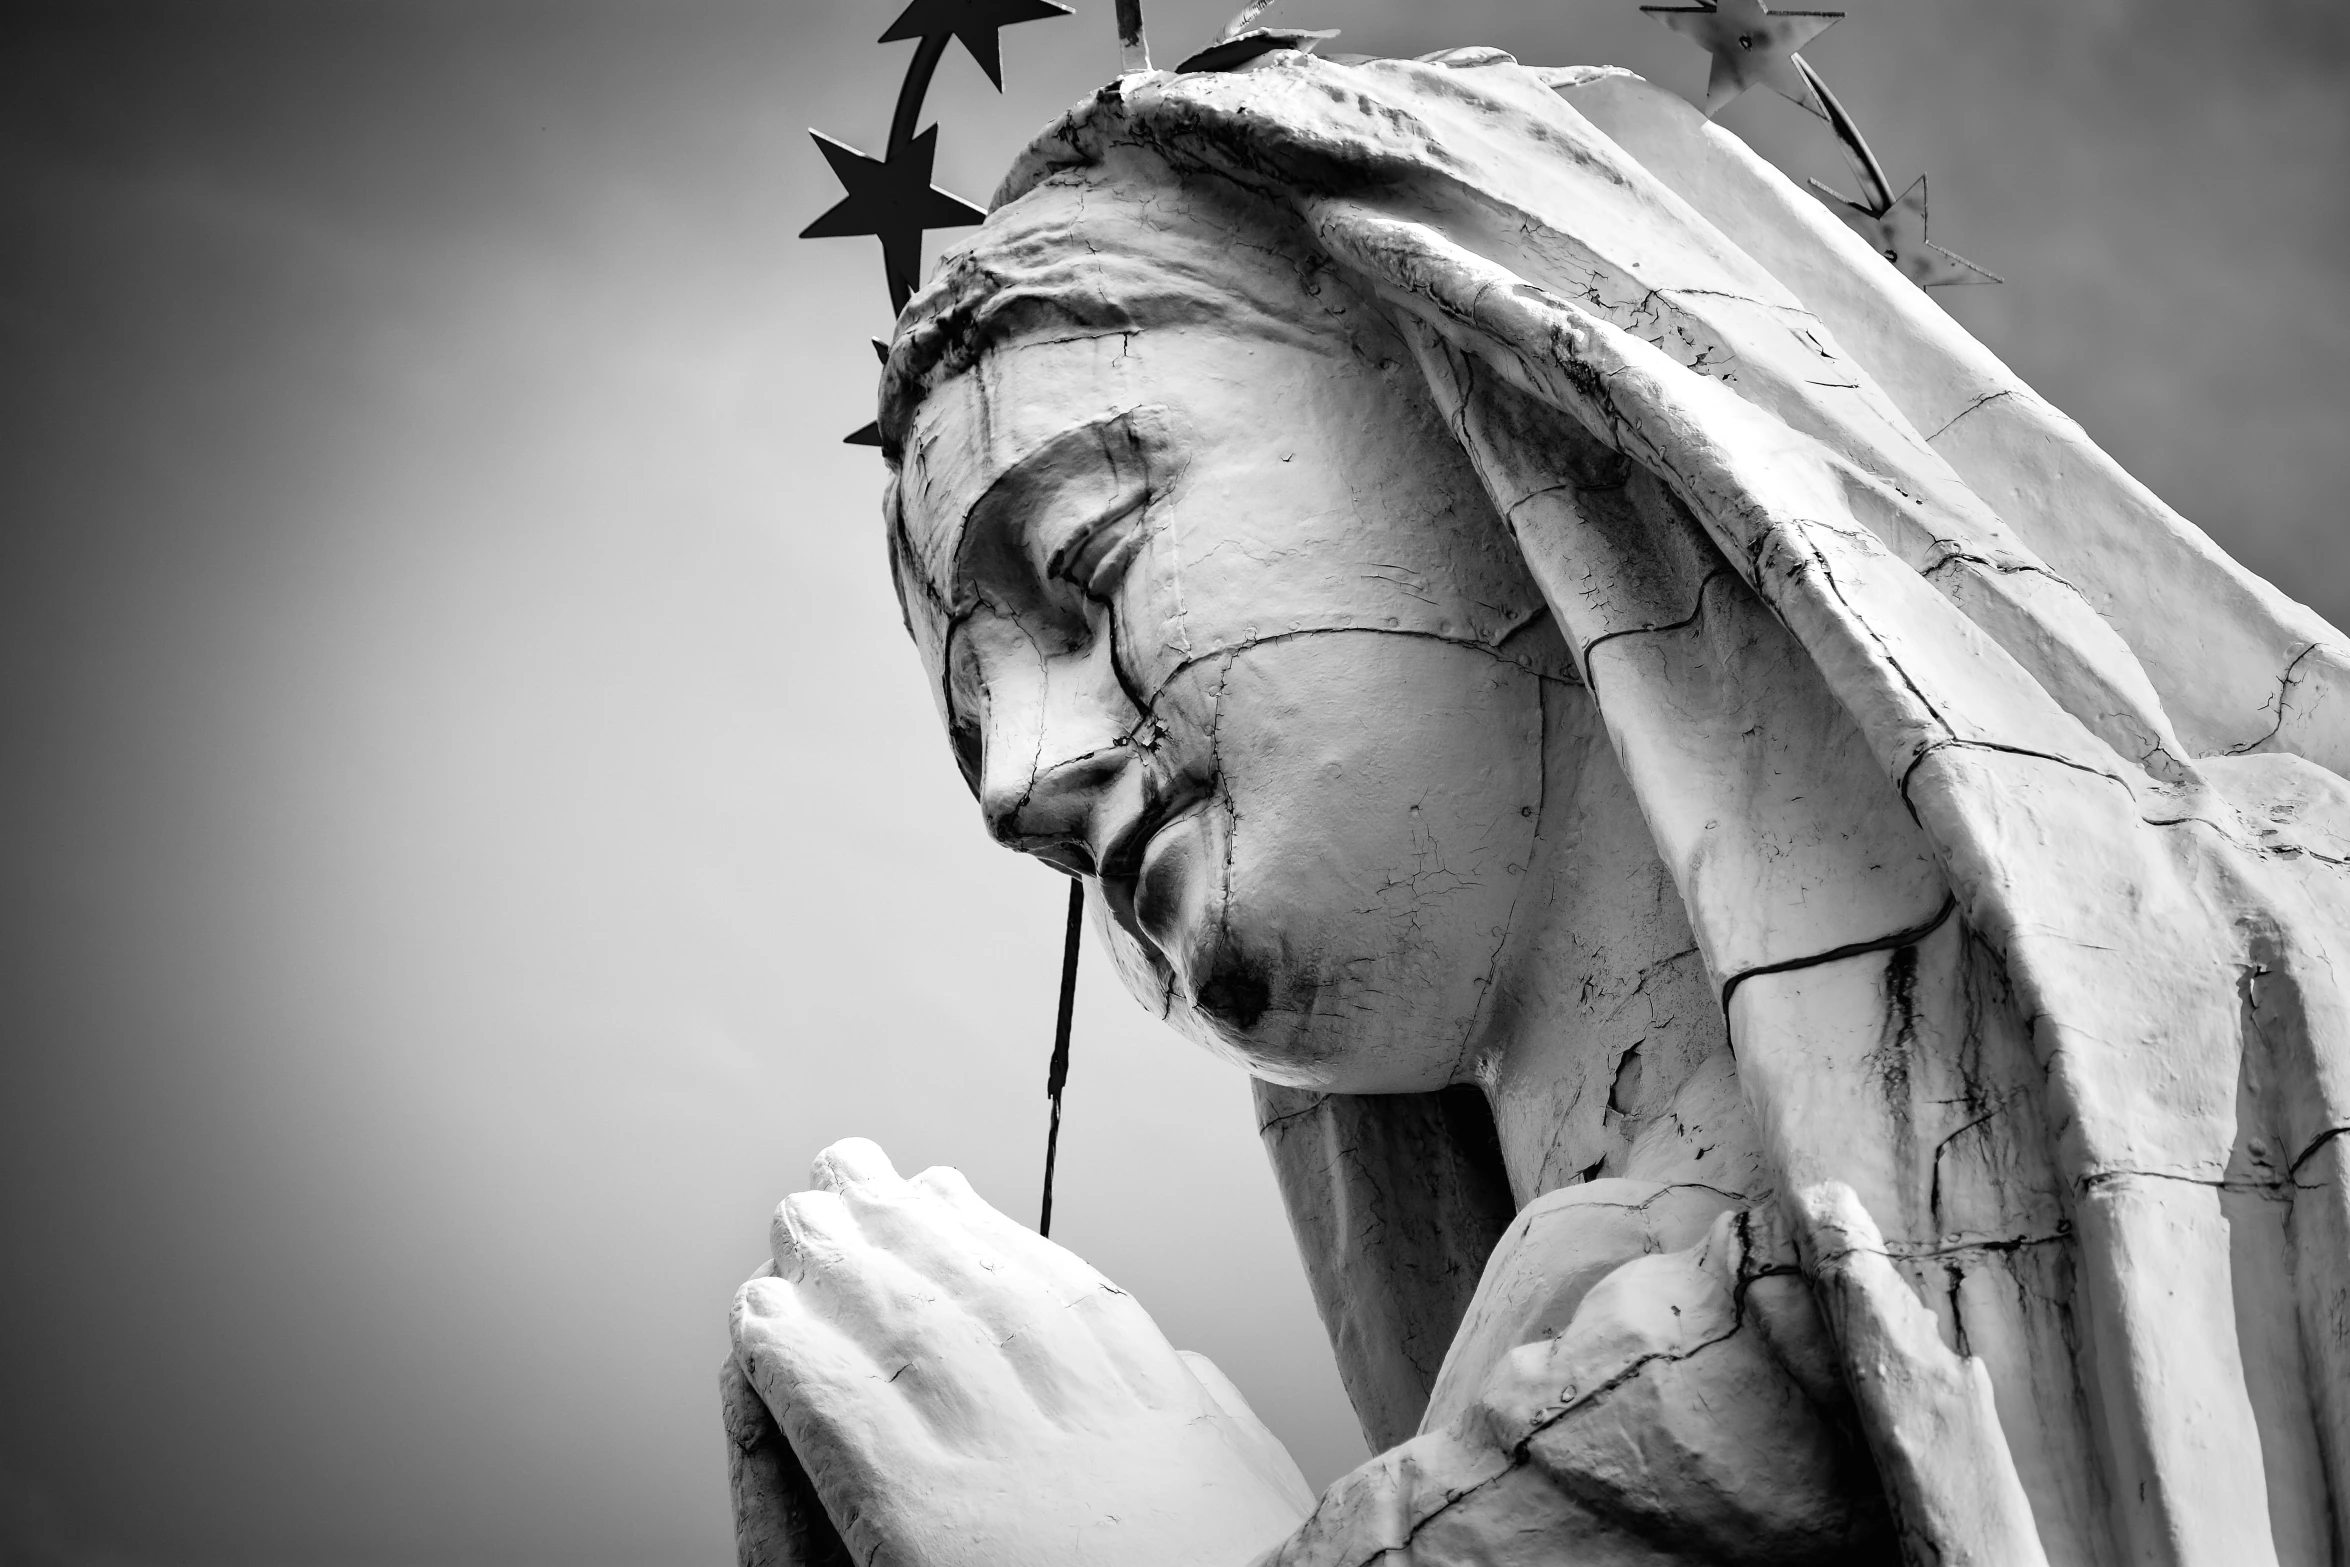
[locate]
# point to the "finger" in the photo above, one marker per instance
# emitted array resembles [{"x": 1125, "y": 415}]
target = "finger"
[
  {"x": 981, "y": 1250},
  {"x": 778, "y": 1519},
  {"x": 1131, "y": 1342},
  {"x": 809, "y": 1226},
  {"x": 842, "y": 1419},
  {"x": 1125, "y": 1329},
  {"x": 921, "y": 1273},
  {"x": 1264, "y": 1449},
  {"x": 850, "y": 1161},
  {"x": 802, "y": 1367},
  {"x": 1070, "y": 1275},
  {"x": 910, "y": 1269},
  {"x": 830, "y": 1274},
  {"x": 864, "y": 1292},
  {"x": 1026, "y": 1317},
  {"x": 949, "y": 1185},
  {"x": 785, "y": 1348},
  {"x": 1126, "y": 1341},
  {"x": 828, "y": 1391},
  {"x": 914, "y": 1324}
]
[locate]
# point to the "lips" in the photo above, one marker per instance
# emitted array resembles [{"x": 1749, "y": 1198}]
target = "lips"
[
  {"x": 1176, "y": 903},
  {"x": 1128, "y": 863}
]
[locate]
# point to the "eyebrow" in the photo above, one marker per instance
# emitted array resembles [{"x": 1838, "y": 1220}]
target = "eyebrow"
[{"x": 1117, "y": 464}]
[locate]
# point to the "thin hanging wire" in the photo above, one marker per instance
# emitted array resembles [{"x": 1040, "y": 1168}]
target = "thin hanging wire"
[
  {"x": 1134, "y": 53},
  {"x": 1057, "y": 1075}
]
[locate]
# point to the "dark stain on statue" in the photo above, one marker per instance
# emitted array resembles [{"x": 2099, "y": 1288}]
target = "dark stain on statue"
[
  {"x": 1954, "y": 1276},
  {"x": 1890, "y": 1063},
  {"x": 1623, "y": 1095},
  {"x": 1236, "y": 992},
  {"x": 1901, "y": 1017}
]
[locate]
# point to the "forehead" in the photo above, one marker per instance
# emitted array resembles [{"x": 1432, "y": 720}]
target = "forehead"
[{"x": 977, "y": 428}]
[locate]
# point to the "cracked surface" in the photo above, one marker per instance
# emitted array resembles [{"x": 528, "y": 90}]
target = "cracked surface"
[
  {"x": 1501, "y": 596},
  {"x": 1290, "y": 720}
]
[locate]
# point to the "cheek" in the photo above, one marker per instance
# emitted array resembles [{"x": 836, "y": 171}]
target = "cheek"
[{"x": 1379, "y": 807}]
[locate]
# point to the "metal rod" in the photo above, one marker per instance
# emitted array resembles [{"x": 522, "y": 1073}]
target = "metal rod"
[
  {"x": 1878, "y": 193},
  {"x": 1245, "y": 18},
  {"x": 919, "y": 70},
  {"x": 903, "y": 126},
  {"x": 1056, "y": 1076},
  {"x": 1134, "y": 51}
]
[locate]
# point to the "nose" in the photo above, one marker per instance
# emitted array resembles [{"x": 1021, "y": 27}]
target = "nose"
[{"x": 1056, "y": 755}]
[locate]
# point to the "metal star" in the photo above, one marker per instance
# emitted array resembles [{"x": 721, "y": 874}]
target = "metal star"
[
  {"x": 893, "y": 198},
  {"x": 869, "y": 434},
  {"x": 1752, "y": 47},
  {"x": 1899, "y": 234},
  {"x": 973, "y": 21}
]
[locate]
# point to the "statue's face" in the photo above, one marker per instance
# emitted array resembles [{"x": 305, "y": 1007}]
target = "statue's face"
[{"x": 1226, "y": 624}]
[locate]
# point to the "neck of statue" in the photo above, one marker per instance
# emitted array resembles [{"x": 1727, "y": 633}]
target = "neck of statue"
[{"x": 1605, "y": 1054}]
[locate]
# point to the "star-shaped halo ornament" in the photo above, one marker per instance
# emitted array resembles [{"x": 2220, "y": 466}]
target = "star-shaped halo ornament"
[
  {"x": 891, "y": 196},
  {"x": 1899, "y": 235},
  {"x": 976, "y": 22},
  {"x": 893, "y": 199},
  {"x": 1751, "y": 46},
  {"x": 1894, "y": 225}
]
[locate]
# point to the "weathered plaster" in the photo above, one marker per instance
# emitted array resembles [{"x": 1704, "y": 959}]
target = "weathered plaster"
[{"x": 1782, "y": 908}]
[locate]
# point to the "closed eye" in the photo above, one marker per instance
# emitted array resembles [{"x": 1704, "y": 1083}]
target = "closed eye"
[
  {"x": 1069, "y": 514},
  {"x": 1097, "y": 557}
]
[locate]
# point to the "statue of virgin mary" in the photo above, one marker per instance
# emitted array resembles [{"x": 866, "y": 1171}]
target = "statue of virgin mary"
[{"x": 1782, "y": 908}]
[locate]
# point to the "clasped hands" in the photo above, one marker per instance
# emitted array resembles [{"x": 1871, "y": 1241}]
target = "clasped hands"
[
  {"x": 960, "y": 1392},
  {"x": 920, "y": 1382}
]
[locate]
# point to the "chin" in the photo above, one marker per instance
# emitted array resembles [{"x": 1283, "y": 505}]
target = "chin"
[
  {"x": 1273, "y": 963},
  {"x": 1270, "y": 1003}
]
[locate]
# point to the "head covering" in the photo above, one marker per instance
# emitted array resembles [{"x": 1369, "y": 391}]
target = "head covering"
[
  {"x": 1087, "y": 252},
  {"x": 2007, "y": 810}
]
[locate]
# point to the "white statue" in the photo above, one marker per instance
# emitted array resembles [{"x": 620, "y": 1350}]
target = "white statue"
[{"x": 1782, "y": 907}]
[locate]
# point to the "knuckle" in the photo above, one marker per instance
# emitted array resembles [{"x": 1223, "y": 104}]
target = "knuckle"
[{"x": 850, "y": 1161}]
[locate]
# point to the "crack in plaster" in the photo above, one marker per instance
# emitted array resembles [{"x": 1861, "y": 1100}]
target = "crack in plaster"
[
  {"x": 1890, "y": 943},
  {"x": 2284, "y": 689},
  {"x": 1520, "y": 1452},
  {"x": 1980, "y": 400}
]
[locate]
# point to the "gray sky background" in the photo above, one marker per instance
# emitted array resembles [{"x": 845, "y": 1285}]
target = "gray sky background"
[{"x": 473, "y": 827}]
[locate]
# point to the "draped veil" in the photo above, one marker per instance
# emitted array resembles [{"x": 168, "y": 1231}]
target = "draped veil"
[{"x": 2008, "y": 812}]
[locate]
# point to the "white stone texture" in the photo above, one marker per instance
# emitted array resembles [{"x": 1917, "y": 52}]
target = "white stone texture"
[
  {"x": 960, "y": 1391},
  {"x": 1507, "y": 601}
]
